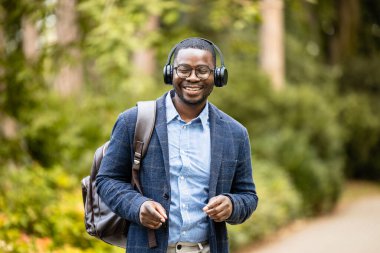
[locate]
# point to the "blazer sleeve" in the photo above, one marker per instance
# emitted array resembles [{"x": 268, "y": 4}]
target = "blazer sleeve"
[
  {"x": 243, "y": 192},
  {"x": 113, "y": 181}
]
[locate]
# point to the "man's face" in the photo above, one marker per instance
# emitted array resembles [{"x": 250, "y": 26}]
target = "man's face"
[{"x": 192, "y": 90}]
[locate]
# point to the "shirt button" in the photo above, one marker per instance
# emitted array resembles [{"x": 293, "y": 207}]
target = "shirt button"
[
  {"x": 184, "y": 127},
  {"x": 182, "y": 177}
]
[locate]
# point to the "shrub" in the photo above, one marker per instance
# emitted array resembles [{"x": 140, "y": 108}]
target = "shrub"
[
  {"x": 41, "y": 211},
  {"x": 55, "y": 135},
  {"x": 279, "y": 203},
  {"x": 309, "y": 146},
  {"x": 361, "y": 121}
]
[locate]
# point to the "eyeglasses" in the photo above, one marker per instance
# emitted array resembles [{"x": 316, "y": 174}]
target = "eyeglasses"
[{"x": 202, "y": 71}]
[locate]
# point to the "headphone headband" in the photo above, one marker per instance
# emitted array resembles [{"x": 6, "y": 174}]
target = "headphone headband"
[
  {"x": 209, "y": 41},
  {"x": 220, "y": 73}
]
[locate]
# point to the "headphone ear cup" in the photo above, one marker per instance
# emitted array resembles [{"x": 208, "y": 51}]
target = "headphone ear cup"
[
  {"x": 216, "y": 77},
  {"x": 168, "y": 74},
  {"x": 220, "y": 76}
]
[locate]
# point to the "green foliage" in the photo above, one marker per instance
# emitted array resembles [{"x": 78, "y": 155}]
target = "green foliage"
[
  {"x": 124, "y": 24},
  {"x": 310, "y": 70},
  {"x": 361, "y": 75},
  {"x": 68, "y": 135},
  {"x": 360, "y": 116},
  {"x": 279, "y": 203},
  {"x": 309, "y": 146},
  {"x": 361, "y": 119},
  {"x": 42, "y": 211}
]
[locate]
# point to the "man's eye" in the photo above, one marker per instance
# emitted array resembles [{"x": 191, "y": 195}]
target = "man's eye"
[
  {"x": 184, "y": 70},
  {"x": 202, "y": 70}
]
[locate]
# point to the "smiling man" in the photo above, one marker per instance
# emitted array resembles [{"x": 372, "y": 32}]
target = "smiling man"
[{"x": 197, "y": 173}]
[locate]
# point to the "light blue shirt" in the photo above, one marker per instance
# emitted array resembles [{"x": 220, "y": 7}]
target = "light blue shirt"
[{"x": 189, "y": 160}]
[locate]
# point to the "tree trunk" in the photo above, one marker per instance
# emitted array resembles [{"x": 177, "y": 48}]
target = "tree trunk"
[
  {"x": 271, "y": 41},
  {"x": 144, "y": 58},
  {"x": 70, "y": 74},
  {"x": 2, "y": 51},
  {"x": 8, "y": 126},
  {"x": 344, "y": 43},
  {"x": 29, "y": 39}
]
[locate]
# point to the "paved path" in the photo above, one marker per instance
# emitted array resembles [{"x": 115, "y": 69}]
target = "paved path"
[{"x": 354, "y": 228}]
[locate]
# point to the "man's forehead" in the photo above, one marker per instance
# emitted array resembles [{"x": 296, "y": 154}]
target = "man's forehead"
[
  {"x": 191, "y": 50},
  {"x": 192, "y": 54}
]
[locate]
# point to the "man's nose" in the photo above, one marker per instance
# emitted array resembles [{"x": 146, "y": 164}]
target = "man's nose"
[{"x": 193, "y": 77}]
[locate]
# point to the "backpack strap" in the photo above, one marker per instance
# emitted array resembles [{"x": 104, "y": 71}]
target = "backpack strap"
[{"x": 146, "y": 118}]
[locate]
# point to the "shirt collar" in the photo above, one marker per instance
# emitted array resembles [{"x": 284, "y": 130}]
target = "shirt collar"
[{"x": 171, "y": 111}]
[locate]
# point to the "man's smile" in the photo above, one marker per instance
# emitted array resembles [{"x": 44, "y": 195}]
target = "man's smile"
[{"x": 193, "y": 88}]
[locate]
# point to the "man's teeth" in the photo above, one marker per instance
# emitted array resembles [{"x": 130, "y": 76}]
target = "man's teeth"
[{"x": 192, "y": 88}]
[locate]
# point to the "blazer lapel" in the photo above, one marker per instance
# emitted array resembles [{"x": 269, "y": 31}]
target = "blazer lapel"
[
  {"x": 216, "y": 128},
  {"x": 162, "y": 133}
]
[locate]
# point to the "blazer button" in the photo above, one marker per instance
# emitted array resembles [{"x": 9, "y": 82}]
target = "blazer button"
[{"x": 166, "y": 196}]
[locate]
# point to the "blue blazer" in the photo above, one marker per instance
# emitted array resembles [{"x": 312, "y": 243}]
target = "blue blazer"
[{"x": 231, "y": 174}]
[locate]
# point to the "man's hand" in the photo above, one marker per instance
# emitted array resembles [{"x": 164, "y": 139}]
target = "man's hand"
[
  {"x": 152, "y": 214},
  {"x": 219, "y": 208}
]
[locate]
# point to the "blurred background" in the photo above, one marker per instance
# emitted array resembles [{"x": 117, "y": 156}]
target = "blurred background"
[{"x": 304, "y": 80}]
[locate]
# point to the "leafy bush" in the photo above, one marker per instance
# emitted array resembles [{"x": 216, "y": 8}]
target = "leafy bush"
[
  {"x": 361, "y": 121},
  {"x": 41, "y": 211},
  {"x": 279, "y": 203},
  {"x": 360, "y": 74},
  {"x": 360, "y": 116},
  {"x": 68, "y": 135},
  {"x": 309, "y": 146}
]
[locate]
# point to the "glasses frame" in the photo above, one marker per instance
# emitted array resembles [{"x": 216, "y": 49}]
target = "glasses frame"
[{"x": 195, "y": 70}]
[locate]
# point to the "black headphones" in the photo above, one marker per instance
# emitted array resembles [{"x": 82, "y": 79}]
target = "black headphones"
[{"x": 220, "y": 73}]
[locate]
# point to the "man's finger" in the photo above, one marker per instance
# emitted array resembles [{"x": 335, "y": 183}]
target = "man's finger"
[
  {"x": 152, "y": 209},
  {"x": 213, "y": 202},
  {"x": 217, "y": 215},
  {"x": 152, "y": 224},
  {"x": 162, "y": 212},
  {"x": 219, "y": 208},
  {"x": 220, "y": 216}
]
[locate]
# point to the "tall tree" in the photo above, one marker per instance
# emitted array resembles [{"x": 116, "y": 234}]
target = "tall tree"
[
  {"x": 144, "y": 57},
  {"x": 2, "y": 49},
  {"x": 345, "y": 42},
  {"x": 29, "y": 38},
  {"x": 271, "y": 41},
  {"x": 70, "y": 74}
]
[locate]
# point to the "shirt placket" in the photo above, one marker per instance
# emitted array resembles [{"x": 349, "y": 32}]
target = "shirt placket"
[{"x": 183, "y": 180}]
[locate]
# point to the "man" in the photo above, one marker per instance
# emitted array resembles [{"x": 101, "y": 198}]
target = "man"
[{"x": 196, "y": 175}]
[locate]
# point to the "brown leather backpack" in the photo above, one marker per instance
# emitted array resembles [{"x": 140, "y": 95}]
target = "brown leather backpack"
[{"x": 100, "y": 221}]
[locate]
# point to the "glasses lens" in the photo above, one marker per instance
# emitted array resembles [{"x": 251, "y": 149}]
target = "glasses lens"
[
  {"x": 202, "y": 72},
  {"x": 183, "y": 72}
]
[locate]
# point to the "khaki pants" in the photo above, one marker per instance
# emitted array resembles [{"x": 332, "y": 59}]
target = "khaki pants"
[{"x": 187, "y": 247}]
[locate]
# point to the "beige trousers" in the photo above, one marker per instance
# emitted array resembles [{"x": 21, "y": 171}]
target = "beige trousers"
[{"x": 186, "y": 247}]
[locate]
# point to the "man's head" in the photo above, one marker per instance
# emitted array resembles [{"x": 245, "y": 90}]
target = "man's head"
[
  {"x": 193, "y": 76},
  {"x": 194, "y": 72},
  {"x": 220, "y": 73}
]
